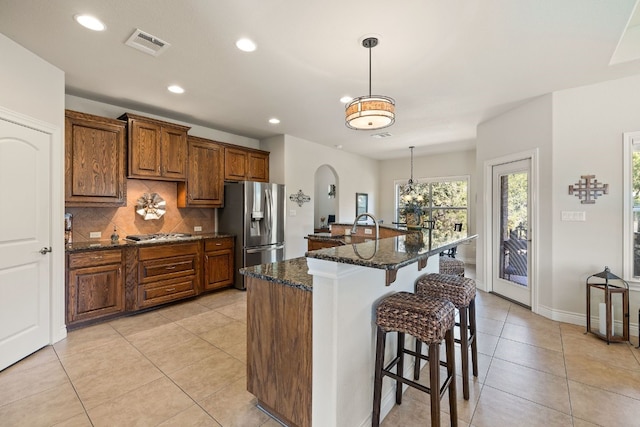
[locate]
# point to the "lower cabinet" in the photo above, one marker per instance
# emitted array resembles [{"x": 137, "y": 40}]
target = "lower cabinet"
[
  {"x": 168, "y": 273},
  {"x": 95, "y": 287},
  {"x": 218, "y": 263},
  {"x": 105, "y": 283}
]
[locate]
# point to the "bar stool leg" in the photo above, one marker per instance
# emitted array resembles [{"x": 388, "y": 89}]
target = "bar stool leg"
[
  {"x": 400, "y": 367},
  {"x": 434, "y": 382},
  {"x": 416, "y": 366},
  {"x": 451, "y": 357},
  {"x": 377, "y": 381},
  {"x": 464, "y": 350},
  {"x": 472, "y": 330}
]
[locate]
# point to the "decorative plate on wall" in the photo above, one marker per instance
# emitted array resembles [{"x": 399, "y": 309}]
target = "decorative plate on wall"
[{"x": 151, "y": 206}]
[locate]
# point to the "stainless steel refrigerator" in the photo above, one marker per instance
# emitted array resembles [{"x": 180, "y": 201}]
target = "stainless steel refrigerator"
[{"x": 254, "y": 212}]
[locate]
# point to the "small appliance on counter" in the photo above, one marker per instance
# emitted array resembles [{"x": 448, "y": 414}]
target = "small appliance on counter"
[{"x": 254, "y": 212}]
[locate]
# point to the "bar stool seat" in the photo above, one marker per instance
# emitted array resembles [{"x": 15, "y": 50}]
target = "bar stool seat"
[
  {"x": 461, "y": 291},
  {"x": 451, "y": 266},
  {"x": 430, "y": 320}
]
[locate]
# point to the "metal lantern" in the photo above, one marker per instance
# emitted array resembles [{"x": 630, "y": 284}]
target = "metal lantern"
[{"x": 606, "y": 310}]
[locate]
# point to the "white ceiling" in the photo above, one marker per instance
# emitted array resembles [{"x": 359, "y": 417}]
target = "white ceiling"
[{"x": 449, "y": 64}]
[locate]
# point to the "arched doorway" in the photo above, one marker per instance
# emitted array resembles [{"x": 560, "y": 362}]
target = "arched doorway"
[{"x": 326, "y": 196}]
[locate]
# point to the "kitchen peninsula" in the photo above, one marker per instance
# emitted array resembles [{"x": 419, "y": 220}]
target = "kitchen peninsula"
[{"x": 320, "y": 308}]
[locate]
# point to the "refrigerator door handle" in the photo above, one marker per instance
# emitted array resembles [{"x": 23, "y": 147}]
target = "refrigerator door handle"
[
  {"x": 266, "y": 249},
  {"x": 267, "y": 208}
]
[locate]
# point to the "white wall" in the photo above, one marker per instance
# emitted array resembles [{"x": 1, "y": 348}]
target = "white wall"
[
  {"x": 300, "y": 159},
  {"x": 588, "y": 126},
  {"x": 34, "y": 88}
]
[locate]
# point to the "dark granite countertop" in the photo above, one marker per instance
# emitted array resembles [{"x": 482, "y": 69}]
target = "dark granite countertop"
[
  {"x": 291, "y": 272},
  {"x": 388, "y": 254},
  {"x": 108, "y": 244},
  {"x": 394, "y": 252}
]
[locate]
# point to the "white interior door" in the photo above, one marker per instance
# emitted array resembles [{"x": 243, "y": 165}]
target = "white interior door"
[
  {"x": 511, "y": 235},
  {"x": 24, "y": 231}
]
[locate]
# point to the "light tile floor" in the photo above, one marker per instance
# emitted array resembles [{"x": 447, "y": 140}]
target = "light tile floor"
[{"x": 184, "y": 365}]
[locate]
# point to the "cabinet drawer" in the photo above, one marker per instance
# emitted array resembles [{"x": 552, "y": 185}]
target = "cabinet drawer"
[
  {"x": 165, "y": 251},
  {"x": 167, "y": 268},
  {"x": 217, "y": 244},
  {"x": 94, "y": 258},
  {"x": 165, "y": 291}
]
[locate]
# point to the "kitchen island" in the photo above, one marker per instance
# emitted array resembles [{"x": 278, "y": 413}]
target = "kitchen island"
[{"x": 326, "y": 315}]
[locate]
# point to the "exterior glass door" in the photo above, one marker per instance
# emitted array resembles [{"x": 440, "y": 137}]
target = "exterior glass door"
[{"x": 511, "y": 230}]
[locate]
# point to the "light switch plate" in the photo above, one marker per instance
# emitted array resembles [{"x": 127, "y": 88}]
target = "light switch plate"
[
  {"x": 95, "y": 234},
  {"x": 574, "y": 216},
  {"x": 197, "y": 228},
  {"x": 292, "y": 212},
  {"x": 368, "y": 231}
]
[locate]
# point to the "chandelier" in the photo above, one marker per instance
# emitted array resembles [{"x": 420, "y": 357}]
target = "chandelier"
[
  {"x": 373, "y": 111},
  {"x": 410, "y": 182}
]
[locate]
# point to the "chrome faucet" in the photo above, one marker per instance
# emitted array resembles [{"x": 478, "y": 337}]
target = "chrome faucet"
[{"x": 375, "y": 221}]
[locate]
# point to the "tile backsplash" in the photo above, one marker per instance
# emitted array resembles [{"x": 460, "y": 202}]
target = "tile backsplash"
[{"x": 126, "y": 221}]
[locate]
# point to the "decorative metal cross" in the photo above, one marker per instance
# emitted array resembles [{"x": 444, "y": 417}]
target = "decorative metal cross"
[
  {"x": 299, "y": 198},
  {"x": 588, "y": 189}
]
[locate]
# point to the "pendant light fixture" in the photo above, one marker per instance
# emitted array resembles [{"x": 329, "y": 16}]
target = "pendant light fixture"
[
  {"x": 410, "y": 182},
  {"x": 373, "y": 111}
]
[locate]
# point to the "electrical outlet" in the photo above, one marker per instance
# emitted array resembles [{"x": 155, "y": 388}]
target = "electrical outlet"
[
  {"x": 197, "y": 228},
  {"x": 574, "y": 216},
  {"x": 95, "y": 234},
  {"x": 292, "y": 212},
  {"x": 368, "y": 231}
]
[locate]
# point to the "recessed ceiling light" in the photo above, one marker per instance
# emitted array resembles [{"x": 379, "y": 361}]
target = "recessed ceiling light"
[
  {"x": 246, "y": 45},
  {"x": 339, "y": 147},
  {"x": 346, "y": 99},
  {"x": 274, "y": 121},
  {"x": 175, "y": 89},
  {"x": 90, "y": 22}
]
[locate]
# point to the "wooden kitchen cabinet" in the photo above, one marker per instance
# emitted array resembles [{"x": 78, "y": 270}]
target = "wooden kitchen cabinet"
[
  {"x": 245, "y": 164},
  {"x": 95, "y": 287},
  {"x": 94, "y": 161},
  {"x": 168, "y": 273},
  {"x": 218, "y": 263},
  {"x": 157, "y": 149},
  {"x": 204, "y": 186}
]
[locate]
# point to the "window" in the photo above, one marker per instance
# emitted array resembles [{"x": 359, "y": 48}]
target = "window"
[
  {"x": 443, "y": 201},
  {"x": 631, "y": 214}
]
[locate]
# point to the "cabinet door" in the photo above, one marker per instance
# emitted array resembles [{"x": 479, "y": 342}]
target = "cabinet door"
[
  {"x": 144, "y": 149},
  {"x": 235, "y": 164},
  {"x": 218, "y": 269},
  {"x": 94, "y": 161},
  {"x": 174, "y": 153},
  {"x": 94, "y": 292},
  {"x": 205, "y": 175},
  {"x": 258, "y": 169}
]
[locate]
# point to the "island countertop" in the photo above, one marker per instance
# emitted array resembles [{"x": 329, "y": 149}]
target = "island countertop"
[{"x": 388, "y": 254}]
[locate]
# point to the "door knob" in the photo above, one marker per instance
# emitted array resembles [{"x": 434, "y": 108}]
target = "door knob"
[{"x": 44, "y": 250}]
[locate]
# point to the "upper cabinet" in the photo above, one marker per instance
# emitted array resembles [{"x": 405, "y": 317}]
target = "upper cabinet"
[
  {"x": 245, "y": 164},
  {"x": 157, "y": 149},
  {"x": 205, "y": 175},
  {"x": 94, "y": 161}
]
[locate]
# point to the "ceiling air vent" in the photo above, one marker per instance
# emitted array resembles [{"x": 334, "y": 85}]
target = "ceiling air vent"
[
  {"x": 381, "y": 135},
  {"x": 147, "y": 43}
]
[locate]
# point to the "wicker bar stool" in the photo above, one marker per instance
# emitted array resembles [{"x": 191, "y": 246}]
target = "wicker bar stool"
[
  {"x": 461, "y": 291},
  {"x": 430, "y": 320},
  {"x": 451, "y": 266}
]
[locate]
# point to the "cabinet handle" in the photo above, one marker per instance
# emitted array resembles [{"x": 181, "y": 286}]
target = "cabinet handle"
[
  {"x": 171, "y": 290},
  {"x": 218, "y": 244},
  {"x": 97, "y": 257},
  {"x": 171, "y": 267}
]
